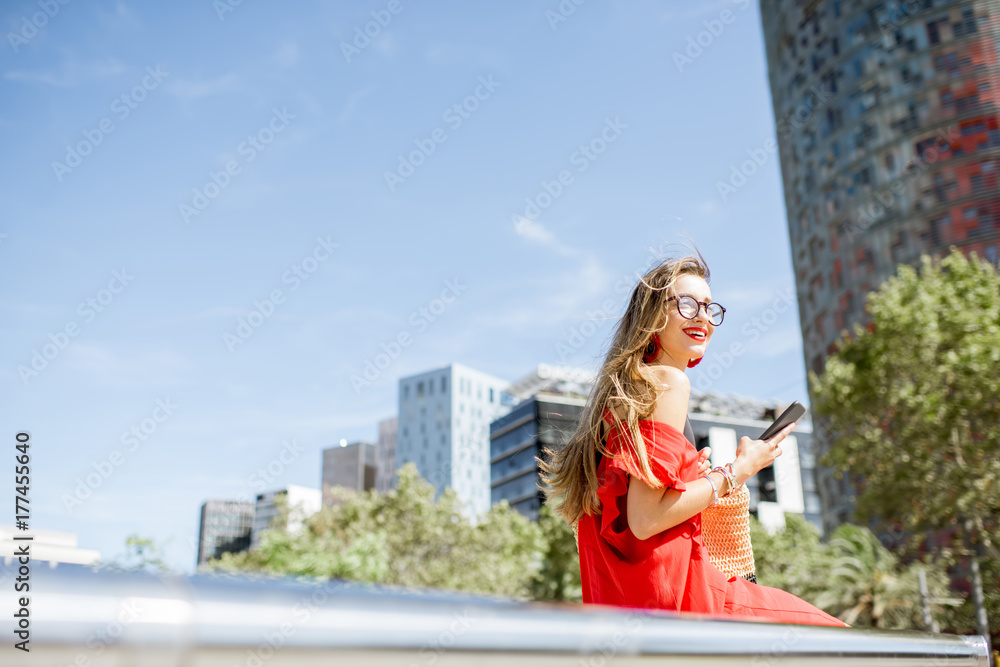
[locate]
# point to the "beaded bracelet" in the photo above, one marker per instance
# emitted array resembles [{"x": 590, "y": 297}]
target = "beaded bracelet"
[
  {"x": 715, "y": 490},
  {"x": 729, "y": 478}
]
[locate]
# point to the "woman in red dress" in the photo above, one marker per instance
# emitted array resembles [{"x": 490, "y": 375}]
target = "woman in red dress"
[{"x": 633, "y": 486}]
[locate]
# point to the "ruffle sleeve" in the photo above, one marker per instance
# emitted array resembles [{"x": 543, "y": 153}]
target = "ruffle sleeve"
[{"x": 666, "y": 448}]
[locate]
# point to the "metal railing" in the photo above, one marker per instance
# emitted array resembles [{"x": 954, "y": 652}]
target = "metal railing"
[{"x": 85, "y": 618}]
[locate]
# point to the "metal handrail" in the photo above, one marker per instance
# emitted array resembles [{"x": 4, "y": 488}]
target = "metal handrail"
[{"x": 85, "y": 617}]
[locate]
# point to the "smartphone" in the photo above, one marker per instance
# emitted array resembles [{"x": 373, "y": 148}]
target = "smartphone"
[{"x": 791, "y": 414}]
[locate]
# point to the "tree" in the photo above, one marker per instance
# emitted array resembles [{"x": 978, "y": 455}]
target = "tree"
[
  {"x": 404, "y": 537},
  {"x": 142, "y": 554},
  {"x": 792, "y": 559},
  {"x": 852, "y": 576},
  {"x": 558, "y": 577},
  {"x": 913, "y": 404},
  {"x": 868, "y": 586}
]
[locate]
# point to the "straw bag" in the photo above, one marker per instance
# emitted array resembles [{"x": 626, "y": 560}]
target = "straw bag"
[{"x": 725, "y": 528}]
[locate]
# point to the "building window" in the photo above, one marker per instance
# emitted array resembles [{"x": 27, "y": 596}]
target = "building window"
[
  {"x": 991, "y": 253},
  {"x": 430, "y": 387},
  {"x": 406, "y": 391},
  {"x": 420, "y": 390},
  {"x": 491, "y": 394},
  {"x": 444, "y": 384}
]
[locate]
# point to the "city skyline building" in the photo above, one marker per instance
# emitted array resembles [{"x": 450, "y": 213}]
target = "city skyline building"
[
  {"x": 385, "y": 455},
  {"x": 50, "y": 546},
  {"x": 302, "y": 501},
  {"x": 443, "y": 428},
  {"x": 889, "y": 144},
  {"x": 226, "y": 527},
  {"x": 546, "y": 419},
  {"x": 350, "y": 465}
]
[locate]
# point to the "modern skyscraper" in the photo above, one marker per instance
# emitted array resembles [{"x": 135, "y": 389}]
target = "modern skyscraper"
[
  {"x": 226, "y": 526},
  {"x": 444, "y": 421},
  {"x": 550, "y": 402},
  {"x": 351, "y": 466},
  {"x": 542, "y": 421},
  {"x": 888, "y": 136}
]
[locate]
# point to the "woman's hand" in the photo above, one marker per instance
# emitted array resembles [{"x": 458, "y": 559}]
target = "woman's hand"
[
  {"x": 754, "y": 455},
  {"x": 703, "y": 463}
]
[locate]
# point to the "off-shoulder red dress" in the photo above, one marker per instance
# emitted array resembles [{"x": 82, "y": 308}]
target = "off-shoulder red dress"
[{"x": 670, "y": 570}]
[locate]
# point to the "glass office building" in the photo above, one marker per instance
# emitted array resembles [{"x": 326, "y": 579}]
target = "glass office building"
[
  {"x": 888, "y": 136},
  {"x": 543, "y": 420},
  {"x": 226, "y": 527}
]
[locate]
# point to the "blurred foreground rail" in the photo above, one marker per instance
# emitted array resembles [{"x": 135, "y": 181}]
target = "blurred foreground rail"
[{"x": 84, "y": 618}]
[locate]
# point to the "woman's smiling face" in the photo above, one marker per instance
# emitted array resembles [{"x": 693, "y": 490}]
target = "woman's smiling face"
[{"x": 683, "y": 339}]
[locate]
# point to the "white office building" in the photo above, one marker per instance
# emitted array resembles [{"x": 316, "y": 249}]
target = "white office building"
[
  {"x": 444, "y": 428},
  {"x": 303, "y": 502},
  {"x": 50, "y": 546}
]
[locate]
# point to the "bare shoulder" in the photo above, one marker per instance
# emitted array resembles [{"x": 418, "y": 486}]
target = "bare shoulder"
[{"x": 672, "y": 397}]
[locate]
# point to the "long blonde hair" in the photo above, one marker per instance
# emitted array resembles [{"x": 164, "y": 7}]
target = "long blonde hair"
[{"x": 625, "y": 382}]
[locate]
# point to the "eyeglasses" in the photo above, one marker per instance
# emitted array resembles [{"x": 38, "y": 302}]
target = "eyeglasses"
[{"x": 689, "y": 307}]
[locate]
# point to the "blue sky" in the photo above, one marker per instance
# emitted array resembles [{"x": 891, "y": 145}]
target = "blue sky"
[{"x": 171, "y": 169}]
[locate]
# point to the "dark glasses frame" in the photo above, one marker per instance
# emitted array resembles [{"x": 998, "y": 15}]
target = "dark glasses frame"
[{"x": 700, "y": 304}]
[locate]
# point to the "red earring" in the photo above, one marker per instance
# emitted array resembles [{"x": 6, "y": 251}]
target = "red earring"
[
  {"x": 695, "y": 362},
  {"x": 652, "y": 349}
]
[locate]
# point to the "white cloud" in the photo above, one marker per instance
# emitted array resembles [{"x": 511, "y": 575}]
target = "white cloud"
[{"x": 536, "y": 233}]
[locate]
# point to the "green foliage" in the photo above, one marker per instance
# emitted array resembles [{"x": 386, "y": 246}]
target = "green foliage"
[
  {"x": 405, "y": 537},
  {"x": 142, "y": 554},
  {"x": 558, "y": 579},
  {"x": 913, "y": 405},
  {"x": 866, "y": 581},
  {"x": 792, "y": 559},
  {"x": 852, "y": 576}
]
